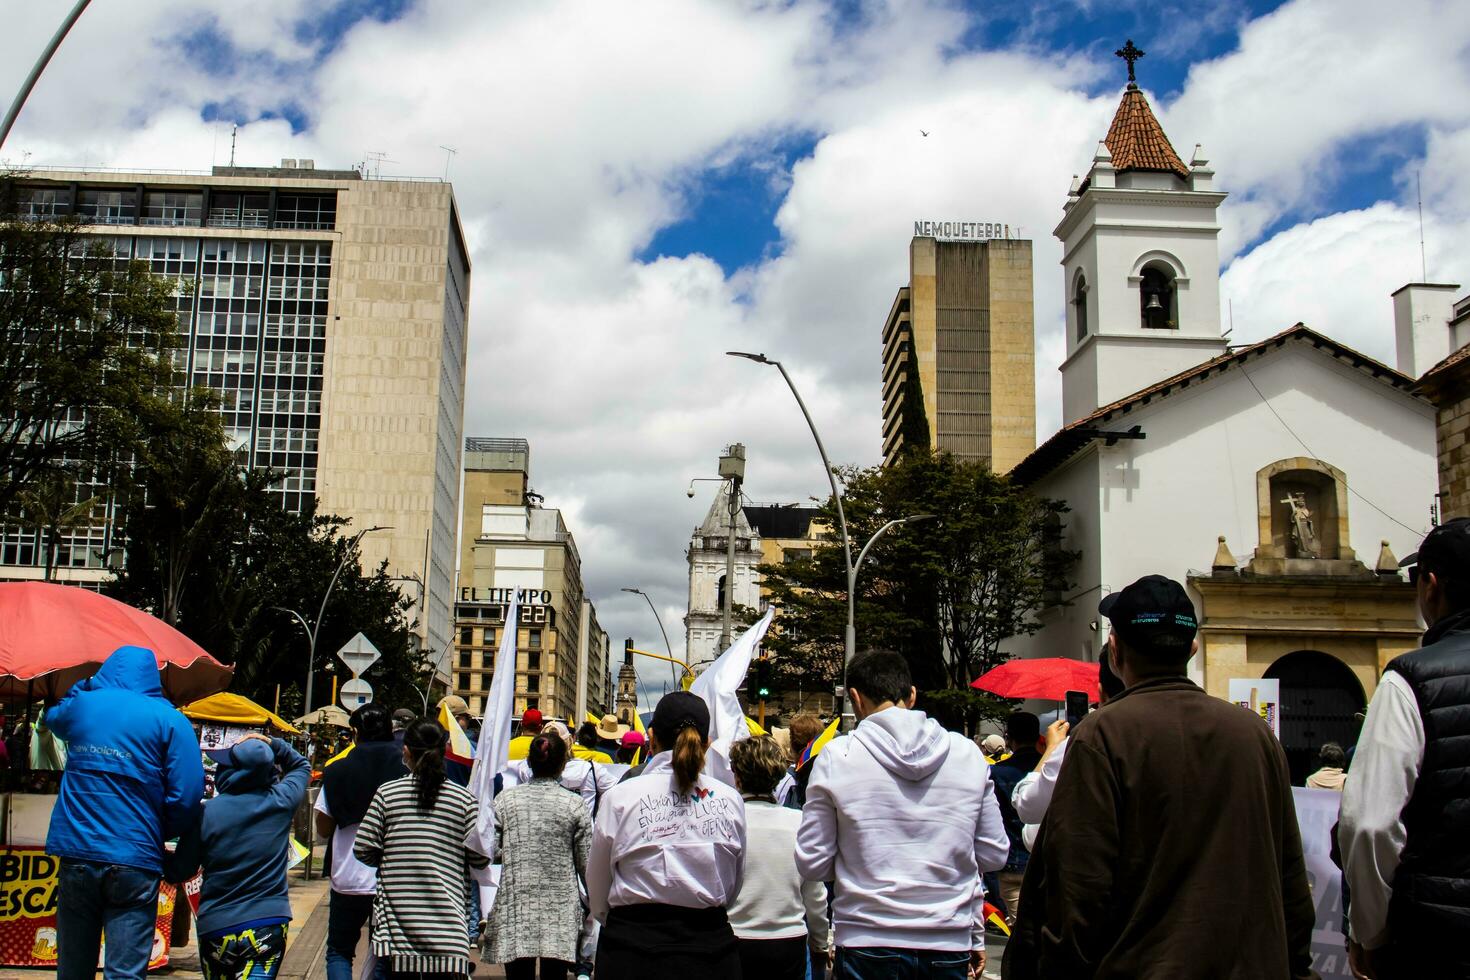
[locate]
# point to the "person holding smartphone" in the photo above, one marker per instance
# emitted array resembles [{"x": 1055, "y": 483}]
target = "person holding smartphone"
[{"x": 1032, "y": 794}]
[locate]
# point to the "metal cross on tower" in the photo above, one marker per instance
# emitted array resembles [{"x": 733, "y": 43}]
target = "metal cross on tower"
[{"x": 1129, "y": 53}]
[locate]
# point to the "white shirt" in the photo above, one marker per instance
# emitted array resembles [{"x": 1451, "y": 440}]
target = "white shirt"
[
  {"x": 652, "y": 845},
  {"x": 1370, "y": 829},
  {"x": 349, "y": 875},
  {"x": 1032, "y": 794},
  {"x": 591, "y": 780},
  {"x": 774, "y": 903}
]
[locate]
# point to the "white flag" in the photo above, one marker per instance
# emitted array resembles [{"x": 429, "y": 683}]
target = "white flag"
[
  {"x": 718, "y": 684},
  {"x": 493, "y": 752}
]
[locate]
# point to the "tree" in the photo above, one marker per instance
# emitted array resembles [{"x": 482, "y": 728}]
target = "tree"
[
  {"x": 86, "y": 351},
  {"x": 946, "y": 594}
]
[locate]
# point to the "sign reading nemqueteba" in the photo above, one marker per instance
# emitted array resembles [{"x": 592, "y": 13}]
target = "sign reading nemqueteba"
[{"x": 962, "y": 231}]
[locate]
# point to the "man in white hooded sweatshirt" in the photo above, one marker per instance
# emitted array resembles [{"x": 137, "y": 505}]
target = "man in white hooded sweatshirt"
[{"x": 902, "y": 817}]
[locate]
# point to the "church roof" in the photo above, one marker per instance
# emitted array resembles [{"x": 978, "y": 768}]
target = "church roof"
[
  {"x": 1137, "y": 141},
  {"x": 1074, "y": 437},
  {"x": 1442, "y": 370}
]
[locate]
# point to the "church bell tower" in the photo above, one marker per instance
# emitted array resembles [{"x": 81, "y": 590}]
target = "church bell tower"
[{"x": 1141, "y": 261}]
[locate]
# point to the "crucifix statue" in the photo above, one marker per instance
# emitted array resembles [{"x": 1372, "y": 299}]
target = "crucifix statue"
[
  {"x": 1129, "y": 53},
  {"x": 1303, "y": 533}
]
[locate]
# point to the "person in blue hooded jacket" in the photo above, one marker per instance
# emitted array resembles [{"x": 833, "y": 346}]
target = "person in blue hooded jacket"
[
  {"x": 241, "y": 842},
  {"x": 134, "y": 778}
]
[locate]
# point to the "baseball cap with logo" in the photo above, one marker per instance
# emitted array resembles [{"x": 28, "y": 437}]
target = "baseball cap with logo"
[
  {"x": 1153, "y": 616},
  {"x": 1445, "y": 551}
]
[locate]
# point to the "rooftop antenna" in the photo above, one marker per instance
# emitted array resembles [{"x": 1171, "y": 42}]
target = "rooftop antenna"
[
  {"x": 1423, "y": 262},
  {"x": 377, "y": 157},
  {"x": 234, "y": 128},
  {"x": 449, "y": 153}
]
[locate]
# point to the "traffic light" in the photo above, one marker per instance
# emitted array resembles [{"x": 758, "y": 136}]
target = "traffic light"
[{"x": 761, "y": 690}]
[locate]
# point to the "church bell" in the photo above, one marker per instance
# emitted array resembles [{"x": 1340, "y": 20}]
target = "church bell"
[{"x": 1153, "y": 303}]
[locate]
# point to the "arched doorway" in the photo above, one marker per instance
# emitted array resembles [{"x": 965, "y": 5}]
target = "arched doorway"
[{"x": 1319, "y": 697}]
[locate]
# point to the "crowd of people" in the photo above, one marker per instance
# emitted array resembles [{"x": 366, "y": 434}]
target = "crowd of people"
[{"x": 1155, "y": 838}]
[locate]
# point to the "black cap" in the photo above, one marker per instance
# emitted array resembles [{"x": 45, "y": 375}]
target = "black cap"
[
  {"x": 1154, "y": 616},
  {"x": 1445, "y": 550},
  {"x": 676, "y": 711}
]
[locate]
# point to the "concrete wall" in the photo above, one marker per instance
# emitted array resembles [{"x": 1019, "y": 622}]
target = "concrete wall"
[{"x": 1453, "y": 442}]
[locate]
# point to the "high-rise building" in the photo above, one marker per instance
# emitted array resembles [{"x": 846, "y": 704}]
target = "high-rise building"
[
  {"x": 511, "y": 544},
  {"x": 330, "y": 313},
  {"x": 959, "y": 352}
]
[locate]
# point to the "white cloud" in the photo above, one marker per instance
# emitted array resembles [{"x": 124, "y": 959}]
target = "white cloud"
[{"x": 581, "y": 127}]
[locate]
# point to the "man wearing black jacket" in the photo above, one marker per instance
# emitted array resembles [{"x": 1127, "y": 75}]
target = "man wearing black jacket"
[{"x": 348, "y": 786}]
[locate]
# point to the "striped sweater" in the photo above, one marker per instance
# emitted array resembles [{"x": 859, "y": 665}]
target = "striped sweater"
[{"x": 419, "y": 911}]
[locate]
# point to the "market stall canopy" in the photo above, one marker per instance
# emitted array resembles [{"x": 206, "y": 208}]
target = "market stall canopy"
[
  {"x": 52, "y": 636},
  {"x": 234, "y": 709},
  {"x": 328, "y": 715},
  {"x": 1046, "y": 677}
]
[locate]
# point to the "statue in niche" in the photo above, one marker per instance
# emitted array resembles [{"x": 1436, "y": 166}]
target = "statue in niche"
[{"x": 1303, "y": 532}]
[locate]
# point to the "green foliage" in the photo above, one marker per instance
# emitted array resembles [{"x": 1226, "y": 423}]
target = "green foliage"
[
  {"x": 945, "y": 593},
  {"x": 86, "y": 359}
]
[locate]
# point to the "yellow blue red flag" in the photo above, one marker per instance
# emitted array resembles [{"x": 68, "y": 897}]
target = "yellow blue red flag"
[{"x": 819, "y": 743}]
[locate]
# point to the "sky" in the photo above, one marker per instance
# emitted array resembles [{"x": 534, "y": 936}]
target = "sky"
[{"x": 647, "y": 185}]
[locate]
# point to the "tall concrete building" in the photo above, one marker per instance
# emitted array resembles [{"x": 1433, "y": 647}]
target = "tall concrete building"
[
  {"x": 511, "y": 543},
  {"x": 959, "y": 352},
  {"x": 330, "y": 312}
]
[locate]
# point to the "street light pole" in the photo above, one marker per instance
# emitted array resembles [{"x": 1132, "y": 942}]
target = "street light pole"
[
  {"x": 313, "y": 630},
  {"x": 40, "y": 66},
  {"x": 660, "y": 620},
  {"x": 849, "y": 639}
]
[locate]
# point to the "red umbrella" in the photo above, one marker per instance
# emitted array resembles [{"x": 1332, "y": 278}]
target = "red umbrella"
[
  {"x": 52, "y": 636},
  {"x": 1049, "y": 678}
]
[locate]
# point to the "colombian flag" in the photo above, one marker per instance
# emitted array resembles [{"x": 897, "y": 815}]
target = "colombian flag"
[
  {"x": 819, "y": 743},
  {"x": 993, "y": 917},
  {"x": 459, "y": 748}
]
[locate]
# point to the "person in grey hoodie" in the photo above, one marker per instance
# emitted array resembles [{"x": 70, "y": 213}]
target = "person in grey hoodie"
[
  {"x": 241, "y": 841},
  {"x": 902, "y": 817}
]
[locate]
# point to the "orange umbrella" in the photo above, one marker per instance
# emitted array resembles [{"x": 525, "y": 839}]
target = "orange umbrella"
[{"x": 52, "y": 636}]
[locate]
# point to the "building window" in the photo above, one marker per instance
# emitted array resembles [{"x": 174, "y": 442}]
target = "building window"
[
  {"x": 533, "y": 703},
  {"x": 464, "y": 658},
  {"x": 533, "y": 661},
  {"x": 533, "y": 639},
  {"x": 107, "y": 207},
  {"x": 489, "y": 637},
  {"x": 1157, "y": 299},
  {"x": 720, "y": 593},
  {"x": 467, "y": 636},
  {"x": 175, "y": 208},
  {"x": 533, "y": 683},
  {"x": 1079, "y": 303},
  {"x": 42, "y": 203},
  {"x": 309, "y": 211},
  {"x": 464, "y": 681}
]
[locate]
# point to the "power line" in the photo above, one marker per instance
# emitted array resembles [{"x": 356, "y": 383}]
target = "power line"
[{"x": 1272, "y": 409}]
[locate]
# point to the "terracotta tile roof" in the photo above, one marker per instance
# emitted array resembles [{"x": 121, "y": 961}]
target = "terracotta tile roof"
[
  {"x": 1071, "y": 438},
  {"x": 1137, "y": 141},
  {"x": 1440, "y": 370}
]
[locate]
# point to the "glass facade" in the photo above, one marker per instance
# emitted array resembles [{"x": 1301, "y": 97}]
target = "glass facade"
[{"x": 253, "y": 320}]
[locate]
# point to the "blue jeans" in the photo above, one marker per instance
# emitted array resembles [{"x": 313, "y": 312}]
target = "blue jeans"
[
  {"x": 97, "y": 898},
  {"x": 346, "y": 915},
  {"x": 888, "y": 963}
]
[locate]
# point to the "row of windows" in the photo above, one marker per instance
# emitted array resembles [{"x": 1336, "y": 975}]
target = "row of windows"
[
  {"x": 525, "y": 683},
  {"x": 181, "y": 208},
  {"x": 467, "y": 637}
]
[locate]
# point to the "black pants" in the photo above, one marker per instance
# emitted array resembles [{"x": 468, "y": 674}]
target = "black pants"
[
  {"x": 773, "y": 959},
  {"x": 525, "y": 969},
  {"x": 643, "y": 941},
  {"x": 346, "y": 915}
]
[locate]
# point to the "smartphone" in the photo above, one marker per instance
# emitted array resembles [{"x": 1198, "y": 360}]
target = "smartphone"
[{"x": 1076, "y": 707}]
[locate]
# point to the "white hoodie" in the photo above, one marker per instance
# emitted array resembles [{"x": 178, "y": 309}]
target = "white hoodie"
[{"x": 902, "y": 816}]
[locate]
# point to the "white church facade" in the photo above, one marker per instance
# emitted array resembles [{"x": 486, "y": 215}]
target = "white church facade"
[{"x": 1276, "y": 479}]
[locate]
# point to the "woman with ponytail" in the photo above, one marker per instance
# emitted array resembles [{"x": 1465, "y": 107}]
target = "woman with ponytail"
[
  {"x": 414, "y": 833},
  {"x": 543, "y": 835},
  {"x": 668, "y": 856}
]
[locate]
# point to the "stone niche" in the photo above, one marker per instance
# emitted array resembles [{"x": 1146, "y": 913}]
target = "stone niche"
[{"x": 1302, "y": 521}]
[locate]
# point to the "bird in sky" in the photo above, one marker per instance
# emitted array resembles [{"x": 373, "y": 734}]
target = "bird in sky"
[{"x": 923, "y": 132}]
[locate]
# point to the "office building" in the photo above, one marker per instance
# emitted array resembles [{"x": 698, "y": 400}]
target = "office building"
[
  {"x": 512, "y": 544},
  {"x": 330, "y": 313},
  {"x": 959, "y": 351}
]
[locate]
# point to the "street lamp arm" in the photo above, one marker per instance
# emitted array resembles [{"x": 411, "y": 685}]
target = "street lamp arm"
[
  {"x": 40, "y": 66},
  {"x": 858, "y": 567},
  {"x": 658, "y": 656},
  {"x": 668, "y": 648}
]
